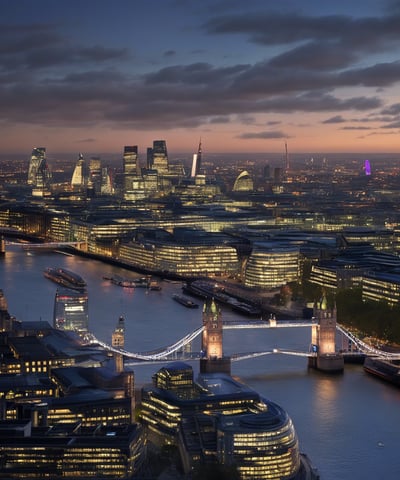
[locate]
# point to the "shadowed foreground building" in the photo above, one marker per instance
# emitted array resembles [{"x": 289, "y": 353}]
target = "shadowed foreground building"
[
  {"x": 219, "y": 420},
  {"x": 69, "y": 451}
]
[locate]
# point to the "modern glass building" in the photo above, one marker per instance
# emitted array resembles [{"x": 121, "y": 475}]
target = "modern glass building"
[
  {"x": 217, "y": 419},
  {"x": 38, "y": 156},
  {"x": 71, "y": 310},
  {"x": 159, "y": 160},
  {"x": 272, "y": 265},
  {"x": 243, "y": 183},
  {"x": 79, "y": 178},
  {"x": 179, "y": 258}
]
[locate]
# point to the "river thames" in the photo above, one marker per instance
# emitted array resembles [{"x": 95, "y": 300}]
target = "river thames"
[{"x": 348, "y": 424}]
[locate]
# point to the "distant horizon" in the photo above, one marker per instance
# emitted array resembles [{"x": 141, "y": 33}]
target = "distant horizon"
[{"x": 188, "y": 155}]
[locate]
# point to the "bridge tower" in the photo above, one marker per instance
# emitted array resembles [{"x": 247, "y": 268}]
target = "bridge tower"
[
  {"x": 323, "y": 339},
  {"x": 211, "y": 342},
  {"x": 118, "y": 341}
]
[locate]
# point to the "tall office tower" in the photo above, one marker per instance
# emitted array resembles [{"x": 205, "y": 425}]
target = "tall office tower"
[
  {"x": 95, "y": 174},
  {"x": 287, "y": 165},
  {"x": 107, "y": 187},
  {"x": 71, "y": 310},
  {"x": 79, "y": 176},
  {"x": 196, "y": 163},
  {"x": 41, "y": 185},
  {"x": 38, "y": 156},
  {"x": 160, "y": 157},
  {"x": 130, "y": 167},
  {"x": 149, "y": 162}
]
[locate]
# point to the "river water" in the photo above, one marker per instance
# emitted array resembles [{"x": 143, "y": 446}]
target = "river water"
[{"x": 348, "y": 424}]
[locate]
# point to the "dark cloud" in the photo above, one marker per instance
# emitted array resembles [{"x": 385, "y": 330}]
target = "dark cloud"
[
  {"x": 86, "y": 140},
  {"x": 335, "y": 119},
  {"x": 392, "y": 125},
  {"x": 316, "y": 56},
  {"x": 38, "y": 47},
  {"x": 48, "y": 79},
  {"x": 356, "y": 128},
  {"x": 263, "y": 135},
  {"x": 392, "y": 109},
  {"x": 272, "y": 28}
]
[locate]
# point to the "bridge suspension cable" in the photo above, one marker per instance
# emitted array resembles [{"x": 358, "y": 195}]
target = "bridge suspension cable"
[{"x": 163, "y": 353}]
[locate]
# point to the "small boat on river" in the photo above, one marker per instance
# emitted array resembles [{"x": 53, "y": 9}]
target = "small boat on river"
[{"x": 186, "y": 302}]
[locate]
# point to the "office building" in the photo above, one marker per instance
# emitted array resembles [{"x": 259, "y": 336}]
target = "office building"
[
  {"x": 37, "y": 158},
  {"x": 131, "y": 171},
  {"x": 71, "y": 310},
  {"x": 159, "y": 157},
  {"x": 39, "y": 175},
  {"x": 196, "y": 162},
  {"x": 95, "y": 175},
  {"x": 217, "y": 419},
  {"x": 272, "y": 265},
  {"x": 70, "y": 451},
  {"x": 243, "y": 183},
  {"x": 182, "y": 256},
  {"x": 79, "y": 178}
]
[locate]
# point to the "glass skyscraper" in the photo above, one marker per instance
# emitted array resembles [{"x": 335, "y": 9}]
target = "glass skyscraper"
[
  {"x": 160, "y": 157},
  {"x": 71, "y": 310},
  {"x": 37, "y": 158}
]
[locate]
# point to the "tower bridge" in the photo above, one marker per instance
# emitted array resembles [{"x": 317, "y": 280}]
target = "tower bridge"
[{"x": 211, "y": 355}]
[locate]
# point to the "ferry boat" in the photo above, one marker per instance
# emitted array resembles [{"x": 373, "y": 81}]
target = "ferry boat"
[
  {"x": 65, "y": 278},
  {"x": 384, "y": 369},
  {"x": 186, "y": 302}
]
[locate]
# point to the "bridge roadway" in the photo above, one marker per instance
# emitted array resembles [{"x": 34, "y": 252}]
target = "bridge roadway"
[
  {"x": 47, "y": 245},
  {"x": 170, "y": 353}
]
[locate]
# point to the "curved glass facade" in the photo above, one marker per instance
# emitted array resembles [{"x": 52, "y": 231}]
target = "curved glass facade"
[{"x": 270, "y": 266}]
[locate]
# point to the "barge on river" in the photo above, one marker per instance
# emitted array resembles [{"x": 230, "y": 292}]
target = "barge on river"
[
  {"x": 384, "y": 369},
  {"x": 186, "y": 302}
]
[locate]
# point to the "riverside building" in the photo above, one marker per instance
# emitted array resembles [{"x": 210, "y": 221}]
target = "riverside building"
[
  {"x": 186, "y": 253},
  {"x": 217, "y": 419},
  {"x": 71, "y": 310},
  {"x": 272, "y": 265}
]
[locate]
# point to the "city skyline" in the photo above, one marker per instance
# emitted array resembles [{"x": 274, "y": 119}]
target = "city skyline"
[{"x": 92, "y": 76}]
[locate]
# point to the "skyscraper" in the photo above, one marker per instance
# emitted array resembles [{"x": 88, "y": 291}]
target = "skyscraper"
[
  {"x": 196, "y": 163},
  {"x": 95, "y": 174},
  {"x": 71, "y": 310},
  {"x": 80, "y": 175},
  {"x": 160, "y": 157},
  {"x": 130, "y": 168},
  {"x": 38, "y": 156}
]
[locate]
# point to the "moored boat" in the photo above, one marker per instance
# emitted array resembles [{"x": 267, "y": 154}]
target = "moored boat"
[
  {"x": 384, "y": 369},
  {"x": 154, "y": 285},
  {"x": 121, "y": 281},
  {"x": 186, "y": 302},
  {"x": 65, "y": 278}
]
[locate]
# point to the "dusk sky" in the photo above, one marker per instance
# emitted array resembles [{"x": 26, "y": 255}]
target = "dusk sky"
[{"x": 245, "y": 76}]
